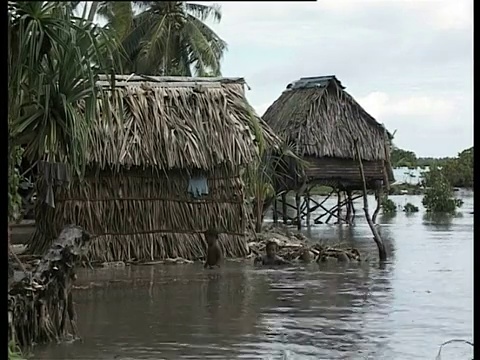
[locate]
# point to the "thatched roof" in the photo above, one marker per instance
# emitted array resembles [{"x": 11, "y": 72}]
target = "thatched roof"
[
  {"x": 322, "y": 119},
  {"x": 175, "y": 122}
]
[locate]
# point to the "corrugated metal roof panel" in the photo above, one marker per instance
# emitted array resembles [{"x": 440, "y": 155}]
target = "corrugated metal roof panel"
[{"x": 312, "y": 82}]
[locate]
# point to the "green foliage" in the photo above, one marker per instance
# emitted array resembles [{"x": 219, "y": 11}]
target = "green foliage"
[
  {"x": 410, "y": 208},
  {"x": 403, "y": 158},
  {"x": 14, "y": 178},
  {"x": 459, "y": 171},
  {"x": 424, "y": 162},
  {"x": 388, "y": 206},
  {"x": 270, "y": 171},
  {"x": 53, "y": 62},
  {"x": 439, "y": 193},
  {"x": 166, "y": 37},
  {"x": 14, "y": 352}
]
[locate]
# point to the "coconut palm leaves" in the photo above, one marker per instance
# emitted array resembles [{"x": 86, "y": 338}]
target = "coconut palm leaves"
[
  {"x": 167, "y": 37},
  {"x": 54, "y": 59},
  {"x": 274, "y": 170}
]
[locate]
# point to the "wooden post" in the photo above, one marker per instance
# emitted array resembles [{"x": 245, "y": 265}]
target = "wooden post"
[
  {"x": 382, "y": 253},
  {"x": 349, "y": 206},
  {"x": 307, "y": 199},
  {"x": 378, "y": 196},
  {"x": 299, "y": 214},
  {"x": 275, "y": 213},
  {"x": 339, "y": 206},
  {"x": 284, "y": 207}
]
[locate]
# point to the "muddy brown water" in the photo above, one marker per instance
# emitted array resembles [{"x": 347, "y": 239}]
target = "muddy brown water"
[{"x": 404, "y": 310}]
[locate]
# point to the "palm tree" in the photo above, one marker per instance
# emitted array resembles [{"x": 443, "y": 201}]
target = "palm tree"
[
  {"x": 53, "y": 61},
  {"x": 51, "y": 102},
  {"x": 167, "y": 37}
]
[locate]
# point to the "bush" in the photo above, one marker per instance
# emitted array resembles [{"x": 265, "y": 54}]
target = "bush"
[
  {"x": 14, "y": 352},
  {"x": 439, "y": 194},
  {"x": 14, "y": 199},
  {"x": 388, "y": 206},
  {"x": 410, "y": 208}
]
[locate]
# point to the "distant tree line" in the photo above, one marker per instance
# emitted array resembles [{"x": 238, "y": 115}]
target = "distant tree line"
[{"x": 457, "y": 171}]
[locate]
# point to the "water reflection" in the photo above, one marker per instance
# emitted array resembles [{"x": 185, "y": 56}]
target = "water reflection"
[{"x": 403, "y": 309}]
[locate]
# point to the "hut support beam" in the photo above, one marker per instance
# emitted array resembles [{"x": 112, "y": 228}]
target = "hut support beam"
[
  {"x": 317, "y": 204},
  {"x": 339, "y": 206},
  {"x": 349, "y": 207},
  {"x": 307, "y": 199},
  {"x": 284, "y": 207},
  {"x": 382, "y": 253},
  {"x": 299, "y": 213},
  {"x": 333, "y": 209},
  {"x": 275, "y": 211},
  {"x": 378, "y": 197}
]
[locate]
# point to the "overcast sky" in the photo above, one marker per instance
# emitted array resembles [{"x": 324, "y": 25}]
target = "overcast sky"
[{"x": 408, "y": 63}]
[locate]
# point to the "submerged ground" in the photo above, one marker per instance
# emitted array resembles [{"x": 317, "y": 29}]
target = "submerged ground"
[{"x": 421, "y": 298}]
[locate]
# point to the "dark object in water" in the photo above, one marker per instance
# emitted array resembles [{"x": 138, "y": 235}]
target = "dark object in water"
[
  {"x": 214, "y": 253},
  {"x": 40, "y": 303},
  {"x": 306, "y": 256},
  {"x": 342, "y": 257},
  {"x": 271, "y": 258}
]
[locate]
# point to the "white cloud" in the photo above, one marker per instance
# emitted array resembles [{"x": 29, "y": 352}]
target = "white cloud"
[
  {"x": 381, "y": 105},
  {"x": 260, "y": 109},
  {"x": 453, "y": 15}
]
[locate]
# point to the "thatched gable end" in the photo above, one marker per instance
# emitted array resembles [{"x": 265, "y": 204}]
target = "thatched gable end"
[
  {"x": 175, "y": 122},
  {"x": 322, "y": 119}
]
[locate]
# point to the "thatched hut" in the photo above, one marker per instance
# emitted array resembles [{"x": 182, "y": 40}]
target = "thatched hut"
[
  {"x": 165, "y": 164},
  {"x": 323, "y": 122}
]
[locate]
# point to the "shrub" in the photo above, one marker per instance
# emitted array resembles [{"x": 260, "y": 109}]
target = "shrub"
[
  {"x": 439, "y": 194},
  {"x": 410, "y": 208},
  {"x": 388, "y": 206}
]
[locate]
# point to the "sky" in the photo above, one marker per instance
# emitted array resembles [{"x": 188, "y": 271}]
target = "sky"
[{"x": 408, "y": 63}]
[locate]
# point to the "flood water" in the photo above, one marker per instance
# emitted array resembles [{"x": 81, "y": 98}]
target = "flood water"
[{"x": 421, "y": 298}]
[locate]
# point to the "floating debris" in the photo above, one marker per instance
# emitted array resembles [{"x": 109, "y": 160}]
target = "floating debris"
[
  {"x": 40, "y": 301},
  {"x": 295, "y": 246}
]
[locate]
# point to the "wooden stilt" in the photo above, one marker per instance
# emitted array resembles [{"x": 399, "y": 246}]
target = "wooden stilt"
[
  {"x": 284, "y": 207},
  {"x": 275, "y": 211},
  {"x": 339, "y": 206},
  {"x": 352, "y": 204},
  {"x": 317, "y": 204},
  {"x": 334, "y": 209},
  {"x": 307, "y": 199},
  {"x": 349, "y": 206},
  {"x": 299, "y": 214},
  {"x": 378, "y": 196}
]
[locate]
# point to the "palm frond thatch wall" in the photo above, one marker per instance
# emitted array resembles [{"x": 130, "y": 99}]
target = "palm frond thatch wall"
[
  {"x": 322, "y": 120},
  {"x": 149, "y": 139}
]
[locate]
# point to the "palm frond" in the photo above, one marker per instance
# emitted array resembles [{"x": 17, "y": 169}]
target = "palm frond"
[
  {"x": 204, "y": 12},
  {"x": 45, "y": 41}
]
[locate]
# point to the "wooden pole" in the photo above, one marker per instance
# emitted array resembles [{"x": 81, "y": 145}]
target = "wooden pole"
[
  {"x": 339, "y": 206},
  {"x": 378, "y": 196},
  {"x": 307, "y": 199},
  {"x": 299, "y": 214},
  {"x": 349, "y": 206},
  {"x": 382, "y": 253},
  {"x": 284, "y": 207},
  {"x": 275, "y": 211}
]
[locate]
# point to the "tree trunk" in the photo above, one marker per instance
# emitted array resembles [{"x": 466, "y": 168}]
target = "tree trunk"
[
  {"x": 382, "y": 253},
  {"x": 93, "y": 10},
  {"x": 40, "y": 303}
]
